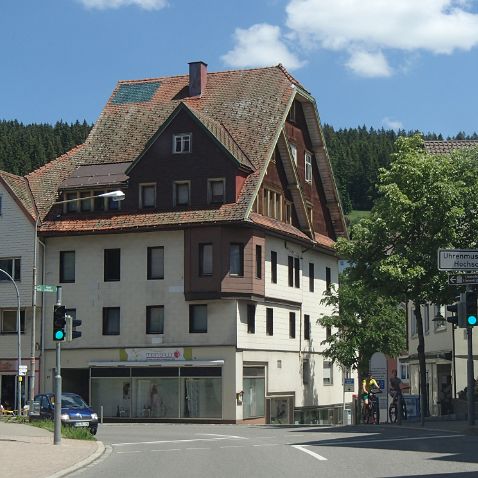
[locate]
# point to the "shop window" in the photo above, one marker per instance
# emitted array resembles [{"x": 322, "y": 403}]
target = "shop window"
[
  {"x": 202, "y": 397},
  {"x": 12, "y": 266},
  {"x": 269, "y": 321},
  {"x": 236, "y": 259},
  {"x": 67, "y": 266},
  {"x": 182, "y": 143},
  {"x": 147, "y": 196},
  {"x": 205, "y": 259},
  {"x": 292, "y": 325},
  {"x": 112, "y": 265},
  {"x": 155, "y": 263},
  {"x": 9, "y": 321},
  {"x": 253, "y": 400},
  {"x": 216, "y": 191},
  {"x": 274, "y": 267},
  {"x": 155, "y": 319},
  {"x": 198, "y": 319},
  {"x": 327, "y": 373},
  {"x": 251, "y": 318},
  {"x": 111, "y": 321}
]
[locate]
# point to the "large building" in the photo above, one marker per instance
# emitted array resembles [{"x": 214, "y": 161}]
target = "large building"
[{"x": 199, "y": 294}]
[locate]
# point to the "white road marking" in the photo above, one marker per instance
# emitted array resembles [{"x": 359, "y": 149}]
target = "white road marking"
[
  {"x": 233, "y": 446},
  {"x": 311, "y": 453},
  {"x": 169, "y": 449},
  {"x": 125, "y": 452},
  {"x": 197, "y": 448},
  {"x": 171, "y": 441},
  {"x": 269, "y": 444},
  {"x": 383, "y": 440},
  {"x": 225, "y": 436}
]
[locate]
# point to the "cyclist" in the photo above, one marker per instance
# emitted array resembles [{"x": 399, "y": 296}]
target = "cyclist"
[
  {"x": 396, "y": 388},
  {"x": 368, "y": 383}
]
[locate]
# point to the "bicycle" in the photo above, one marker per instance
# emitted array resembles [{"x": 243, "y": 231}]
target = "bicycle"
[
  {"x": 371, "y": 413},
  {"x": 393, "y": 409}
]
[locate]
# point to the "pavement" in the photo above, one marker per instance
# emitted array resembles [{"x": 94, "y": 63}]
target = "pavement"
[{"x": 28, "y": 452}]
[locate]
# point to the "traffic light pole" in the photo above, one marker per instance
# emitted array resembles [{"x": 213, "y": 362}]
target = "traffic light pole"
[
  {"x": 57, "y": 409},
  {"x": 470, "y": 378}
]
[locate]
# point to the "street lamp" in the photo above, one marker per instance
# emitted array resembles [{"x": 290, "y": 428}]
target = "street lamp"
[
  {"x": 19, "y": 344},
  {"x": 114, "y": 195}
]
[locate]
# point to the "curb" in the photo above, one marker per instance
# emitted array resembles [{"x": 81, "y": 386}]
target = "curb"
[{"x": 100, "y": 449}]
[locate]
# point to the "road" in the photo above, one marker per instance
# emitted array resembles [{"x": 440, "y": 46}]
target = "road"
[{"x": 230, "y": 451}]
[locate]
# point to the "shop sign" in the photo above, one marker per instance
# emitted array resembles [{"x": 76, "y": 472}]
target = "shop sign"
[{"x": 158, "y": 354}]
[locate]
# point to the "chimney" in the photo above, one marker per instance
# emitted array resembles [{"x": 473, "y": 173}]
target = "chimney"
[{"x": 197, "y": 78}]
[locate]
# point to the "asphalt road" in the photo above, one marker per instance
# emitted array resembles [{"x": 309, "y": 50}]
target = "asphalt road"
[{"x": 230, "y": 451}]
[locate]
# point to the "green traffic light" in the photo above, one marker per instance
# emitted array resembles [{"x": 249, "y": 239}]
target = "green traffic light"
[
  {"x": 59, "y": 335},
  {"x": 471, "y": 320}
]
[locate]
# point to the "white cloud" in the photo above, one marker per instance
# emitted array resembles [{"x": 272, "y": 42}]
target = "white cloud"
[
  {"x": 260, "y": 45},
  {"x": 368, "y": 64},
  {"x": 371, "y": 26},
  {"x": 144, "y": 4},
  {"x": 390, "y": 123}
]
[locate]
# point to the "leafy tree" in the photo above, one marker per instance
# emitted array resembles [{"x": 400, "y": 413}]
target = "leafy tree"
[
  {"x": 363, "y": 322},
  {"x": 426, "y": 202}
]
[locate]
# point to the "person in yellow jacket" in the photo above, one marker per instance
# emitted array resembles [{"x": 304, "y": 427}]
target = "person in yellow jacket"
[{"x": 368, "y": 383}]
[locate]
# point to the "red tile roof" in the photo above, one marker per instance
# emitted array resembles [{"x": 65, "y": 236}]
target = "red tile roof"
[
  {"x": 443, "y": 147},
  {"x": 20, "y": 190}
]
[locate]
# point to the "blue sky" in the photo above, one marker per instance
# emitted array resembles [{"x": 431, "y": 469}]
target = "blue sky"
[{"x": 393, "y": 63}]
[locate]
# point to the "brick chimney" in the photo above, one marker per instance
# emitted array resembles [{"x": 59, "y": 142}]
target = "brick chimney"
[{"x": 197, "y": 78}]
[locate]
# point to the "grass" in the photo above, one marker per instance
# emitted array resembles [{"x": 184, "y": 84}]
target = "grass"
[
  {"x": 356, "y": 216},
  {"x": 66, "y": 432}
]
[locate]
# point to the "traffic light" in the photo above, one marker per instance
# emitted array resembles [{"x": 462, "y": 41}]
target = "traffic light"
[
  {"x": 458, "y": 311},
  {"x": 71, "y": 324},
  {"x": 471, "y": 312},
  {"x": 59, "y": 322}
]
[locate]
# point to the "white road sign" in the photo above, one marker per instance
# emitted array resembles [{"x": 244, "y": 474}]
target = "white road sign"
[
  {"x": 457, "y": 259},
  {"x": 22, "y": 370}
]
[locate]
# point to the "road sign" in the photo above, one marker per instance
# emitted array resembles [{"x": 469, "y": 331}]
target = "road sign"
[
  {"x": 349, "y": 385},
  {"x": 458, "y": 259},
  {"x": 22, "y": 370},
  {"x": 46, "y": 288},
  {"x": 462, "y": 279}
]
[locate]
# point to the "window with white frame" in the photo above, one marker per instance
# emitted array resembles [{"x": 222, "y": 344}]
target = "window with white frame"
[
  {"x": 181, "y": 193},
  {"x": 327, "y": 371},
  {"x": 216, "y": 191},
  {"x": 308, "y": 167},
  {"x": 147, "y": 196},
  {"x": 293, "y": 152},
  {"x": 9, "y": 321},
  {"x": 182, "y": 143},
  {"x": 12, "y": 266}
]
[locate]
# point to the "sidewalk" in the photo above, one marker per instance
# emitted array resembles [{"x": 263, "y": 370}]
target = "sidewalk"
[
  {"x": 29, "y": 452},
  {"x": 456, "y": 426}
]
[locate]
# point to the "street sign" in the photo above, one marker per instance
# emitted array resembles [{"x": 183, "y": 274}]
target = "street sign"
[
  {"x": 46, "y": 288},
  {"x": 22, "y": 370},
  {"x": 462, "y": 279},
  {"x": 349, "y": 385},
  {"x": 458, "y": 259}
]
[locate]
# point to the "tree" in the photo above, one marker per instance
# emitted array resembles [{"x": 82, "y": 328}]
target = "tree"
[
  {"x": 426, "y": 202},
  {"x": 363, "y": 322}
]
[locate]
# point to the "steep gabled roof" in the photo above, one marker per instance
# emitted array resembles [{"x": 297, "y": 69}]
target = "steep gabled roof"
[
  {"x": 20, "y": 191},
  {"x": 443, "y": 147}
]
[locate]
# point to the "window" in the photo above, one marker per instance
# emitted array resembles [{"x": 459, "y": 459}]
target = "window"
[
  {"x": 181, "y": 193},
  {"x": 291, "y": 116},
  {"x": 12, "y": 266},
  {"x": 258, "y": 262},
  {"x": 305, "y": 371},
  {"x": 67, "y": 266},
  {"x": 293, "y": 152},
  {"x": 112, "y": 265},
  {"x": 99, "y": 202},
  {"x": 205, "y": 259},
  {"x": 155, "y": 319},
  {"x": 311, "y": 276},
  {"x": 292, "y": 325},
  {"x": 86, "y": 204},
  {"x": 328, "y": 373},
  {"x": 111, "y": 321},
  {"x": 182, "y": 143},
  {"x": 291, "y": 271},
  {"x": 73, "y": 205},
  {"x": 404, "y": 371},
  {"x": 236, "y": 259},
  {"x": 147, "y": 196},
  {"x": 297, "y": 272},
  {"x": 251, "y": 318},
  {"x": 306, "y": 327},
  {"x": 155, "y": 267},
  {"x": 308, "y": 167},
  {"x": 197, "y": 319},
  {"x": 216, "y": 191},
  {"x": 9, "y": 321},
  {"x": 272, "y": 204},
  {"x": 328, "y": 279},
  {"x": 269, "y": 321},
  {"x": 274, "y": 267},
  {"x": 288, "y": 212},
  {"x": 328, "y": 332}
]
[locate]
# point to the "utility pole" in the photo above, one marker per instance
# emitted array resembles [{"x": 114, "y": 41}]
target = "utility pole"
[
  {"x": 471, "y": 320},
  {"x": 57, "y": 416}
]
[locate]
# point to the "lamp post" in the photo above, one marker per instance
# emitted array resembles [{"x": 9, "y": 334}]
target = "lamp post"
[{"x": 19, "y": 343}]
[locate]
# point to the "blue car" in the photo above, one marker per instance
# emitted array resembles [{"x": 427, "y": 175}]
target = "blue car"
[{"x": 75, "y": 412}]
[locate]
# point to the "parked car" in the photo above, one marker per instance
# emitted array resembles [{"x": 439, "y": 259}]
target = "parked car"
[{"x": 75, "y": 411}]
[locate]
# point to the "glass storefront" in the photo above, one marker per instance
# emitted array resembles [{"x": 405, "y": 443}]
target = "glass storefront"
[
  {"x": 254, "y": 392},
  {"x": 157, "y": 392}
]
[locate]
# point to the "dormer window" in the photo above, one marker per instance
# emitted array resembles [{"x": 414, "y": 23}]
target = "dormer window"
[
  {"x": 85, "y": 204},
  {"x": 308, "y": 167},
  {"x": 73, "y": 205},
  {"x": 147, "y": 196},
  {"x": 293, "y": 152},
  {"x": 291, "y": 116},
  {"x": 182, "y": 143},
  {"x": 216, "y": 191},
  {"x": 181, "y": 193}
]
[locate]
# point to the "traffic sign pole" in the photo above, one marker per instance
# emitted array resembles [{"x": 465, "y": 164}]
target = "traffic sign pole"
[{"x": 57, "y": 409}]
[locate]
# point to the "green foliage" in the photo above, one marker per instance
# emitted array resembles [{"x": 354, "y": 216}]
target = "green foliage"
[
  {"x": 24, "y": 148},
  {"x": 363, "y": 322},
  {"x": 66, "y": 431}
]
